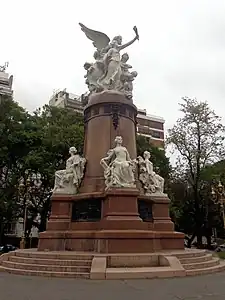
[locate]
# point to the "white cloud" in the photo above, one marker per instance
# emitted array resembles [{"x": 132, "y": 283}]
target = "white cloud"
[{"x": 180, "y": 53}]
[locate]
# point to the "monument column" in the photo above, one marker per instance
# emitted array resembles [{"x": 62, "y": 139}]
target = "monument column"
[{"x": 107, "y": 115}]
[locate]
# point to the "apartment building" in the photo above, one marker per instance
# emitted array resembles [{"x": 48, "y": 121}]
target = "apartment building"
[
  {"x": 6, "y": 82},
  {"x": 149, "y": 126},
  {"x": 152, "y": 127}
]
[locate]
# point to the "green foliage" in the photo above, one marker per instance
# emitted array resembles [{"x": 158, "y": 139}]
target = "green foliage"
[
  {"x": 198, "y": 138},
  {"x": 221, "y": 255},
  {"x": 55, "y": 130},
  {"x": 14, "y": 132},
  {"x": 214, "y": 171},
  {"x": 33, "y": 144}
]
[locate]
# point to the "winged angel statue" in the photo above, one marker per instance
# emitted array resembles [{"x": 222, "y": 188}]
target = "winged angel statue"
[{"x": 110, "y": 70}]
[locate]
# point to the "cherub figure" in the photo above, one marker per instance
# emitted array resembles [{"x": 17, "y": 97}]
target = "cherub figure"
[{"x": 124, "y": 66}]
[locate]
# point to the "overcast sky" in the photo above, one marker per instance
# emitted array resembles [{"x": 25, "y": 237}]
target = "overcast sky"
[{"x": 181, "y": 51}]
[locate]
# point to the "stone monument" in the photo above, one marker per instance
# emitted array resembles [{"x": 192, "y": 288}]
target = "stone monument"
[{"x": 110, "y": 201}]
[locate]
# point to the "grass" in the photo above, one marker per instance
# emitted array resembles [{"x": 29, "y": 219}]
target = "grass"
[{"x": 221, "y": 255}]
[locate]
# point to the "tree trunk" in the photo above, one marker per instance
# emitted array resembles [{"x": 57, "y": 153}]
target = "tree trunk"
[
  {"x": 191, "y": 240},
  {"x": 199, "y": 240},
  {"x": 209, "y": 244},
  {"x": 1, "y": 233}
]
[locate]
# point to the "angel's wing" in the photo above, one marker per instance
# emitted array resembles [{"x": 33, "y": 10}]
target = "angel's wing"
[{"x": 100, "y": 39}]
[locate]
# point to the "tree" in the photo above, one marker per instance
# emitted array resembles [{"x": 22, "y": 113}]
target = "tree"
[
  {"x": 198, "y": 138},
  {"x": 33, "y": 145},
  {"x": 14, "y": 132},
  {"x": 215, "y": 171},
  {"x": 55, "y": 130}
]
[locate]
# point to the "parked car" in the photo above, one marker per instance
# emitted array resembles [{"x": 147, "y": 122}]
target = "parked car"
[
  {"x": 7, "y": 248},
  {"x": 221, "y": 248}
]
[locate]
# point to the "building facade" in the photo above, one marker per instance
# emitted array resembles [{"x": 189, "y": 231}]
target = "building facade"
[
  {"x": 150, "y": 126},
  {"x": 6, "y": 82},
  {"x": 66, "y": 100}
]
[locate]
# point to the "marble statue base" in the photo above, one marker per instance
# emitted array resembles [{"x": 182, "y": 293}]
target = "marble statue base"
[
  {"x": 119, "y": 220},
  {"x": 120, "y": 229}
]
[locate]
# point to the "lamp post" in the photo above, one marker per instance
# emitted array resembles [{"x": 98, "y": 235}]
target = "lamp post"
[
  {"x": 218, "y": 197},
  {"x": 220, "y": 189},
  {"x": 25, "y": 196},
  {"x": 29, "y": 194},
  {"x": 214, "y": 199}
]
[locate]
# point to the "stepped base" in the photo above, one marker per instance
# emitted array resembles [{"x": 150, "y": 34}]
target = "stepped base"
[{"x": 90, "y": 265}]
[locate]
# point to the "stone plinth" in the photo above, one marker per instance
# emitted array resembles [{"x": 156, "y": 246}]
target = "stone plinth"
[
  {"x": 120, "y": 226},
  {"x": 120, "y": 230}
]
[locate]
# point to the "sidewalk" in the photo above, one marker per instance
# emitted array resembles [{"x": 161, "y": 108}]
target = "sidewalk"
[{"x": 208, "y": 287}]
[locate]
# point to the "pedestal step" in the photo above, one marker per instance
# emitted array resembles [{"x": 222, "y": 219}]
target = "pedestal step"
[
  {"x": 218, "y": 268},
  {"x": 52, "y": 262},
  {"x": 47, "y": 274},
  {"x": 196, "y": 259},
  {"x": 54, "y": 255},
  {"x": 70, "y": 265},
  {"x": 201, "y": 262},
  {"x": 189, "y": 253},
  {"x": 111, "y": 266},
  {"x": 142, "y": 273},
  {"x": 202, "y": 265},
  {"x": 46, "y": 268}
]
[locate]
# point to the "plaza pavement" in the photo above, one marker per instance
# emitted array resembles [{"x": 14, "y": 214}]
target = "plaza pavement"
[{"x": 208, "y": 287}]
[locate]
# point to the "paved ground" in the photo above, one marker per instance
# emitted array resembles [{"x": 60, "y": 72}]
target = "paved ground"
[{"x": 15, "y": 287}]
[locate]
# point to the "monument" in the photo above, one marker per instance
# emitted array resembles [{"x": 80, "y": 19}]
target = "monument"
[{"x": 109, "y": 200}]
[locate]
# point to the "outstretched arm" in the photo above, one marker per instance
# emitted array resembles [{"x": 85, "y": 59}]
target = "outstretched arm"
[{"x": 129, "y": 43}]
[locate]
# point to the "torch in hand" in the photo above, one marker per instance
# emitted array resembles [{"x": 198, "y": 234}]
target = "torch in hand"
[{"x": 136, "y": 31}]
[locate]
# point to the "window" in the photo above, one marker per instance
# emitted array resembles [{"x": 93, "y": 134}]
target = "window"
[
  {"x": 157, "y": 125},
  {"x": 156, "y": 134}
]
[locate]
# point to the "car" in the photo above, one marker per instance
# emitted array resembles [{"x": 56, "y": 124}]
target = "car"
[
  {"x": 221, "y": 248},
  {"x": 7, "y": 248}
]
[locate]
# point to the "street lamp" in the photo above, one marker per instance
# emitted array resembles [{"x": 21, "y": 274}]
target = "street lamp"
[
  {"x": 214, "y": 199},
  {"x": 24, "y": 193},
  {"x": 220, "y": 189},
  {"x": 218, "y": 197},
  {"x": 30, "y": 190}
]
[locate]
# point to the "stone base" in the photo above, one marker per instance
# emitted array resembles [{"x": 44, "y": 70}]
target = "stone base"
[
  {"x": 120, "y": 228},
  {"x": 91, "y": 265},
  {"x": 111, "y": 241}
]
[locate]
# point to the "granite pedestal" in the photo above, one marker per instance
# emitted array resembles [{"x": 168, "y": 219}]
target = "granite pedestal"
[{"x": 121, "y": 220}]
